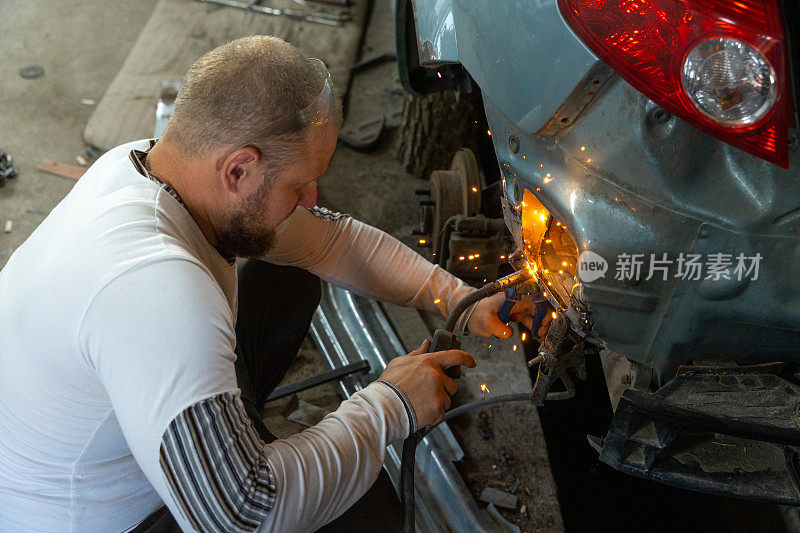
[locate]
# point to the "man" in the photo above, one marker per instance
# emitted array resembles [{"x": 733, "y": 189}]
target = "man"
[{"x": 129, "y": 392}]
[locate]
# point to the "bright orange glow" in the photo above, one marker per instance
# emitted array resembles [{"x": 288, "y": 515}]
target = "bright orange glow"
[
  {"x": 437, "y": 300},
  {"x": 554, "y": 315},
  {"x": 422, "y": 241},
  {"x": 523, "y": 336},
  {"x": 514, "y": 349},
  {"x": 474, "y": 189}
]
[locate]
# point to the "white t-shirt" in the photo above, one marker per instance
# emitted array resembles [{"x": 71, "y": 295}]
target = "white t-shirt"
[{"x": 116, "y": 315}]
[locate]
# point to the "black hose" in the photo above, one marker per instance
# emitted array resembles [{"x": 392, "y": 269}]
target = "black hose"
[{"x": 409, "y": 458}]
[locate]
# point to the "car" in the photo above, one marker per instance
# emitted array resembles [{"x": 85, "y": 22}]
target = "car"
[{"x": 650, "y": 180}]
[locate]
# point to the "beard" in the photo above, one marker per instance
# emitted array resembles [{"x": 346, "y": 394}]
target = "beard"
[{"x": 241, "y": 236}]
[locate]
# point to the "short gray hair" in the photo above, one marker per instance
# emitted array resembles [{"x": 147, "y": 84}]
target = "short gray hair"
[{"x": 232, "y": 94}]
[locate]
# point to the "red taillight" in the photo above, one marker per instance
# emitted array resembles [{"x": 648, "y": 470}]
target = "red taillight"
[{"x": 647, "y": 42}]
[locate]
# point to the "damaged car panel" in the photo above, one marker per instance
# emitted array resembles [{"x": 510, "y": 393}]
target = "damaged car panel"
[{"x": 658, "y": 210}]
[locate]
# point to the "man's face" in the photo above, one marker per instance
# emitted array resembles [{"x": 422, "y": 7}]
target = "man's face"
[{"x": 250, "y": 227}]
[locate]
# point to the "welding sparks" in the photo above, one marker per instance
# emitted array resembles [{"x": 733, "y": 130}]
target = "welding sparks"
[
  {"x": 554, "y": 315},
  {"x": 474, "y": 189},
  {"x": 502, "y": 257},
  {"x": 439, "y": 74},
  {"x": 489, "y": 133},
  {"x": 437, "y": 300},
  {"x": 583, "y": 148},
  {"x": 471, "y": 257},
  {"x": 422, "y": 241},
  {"x": 523, "y": 336},
  {"x": 484, "y": 390},
  {"x": 514, "y": 349},
  {"x": 461, "y": 258}
]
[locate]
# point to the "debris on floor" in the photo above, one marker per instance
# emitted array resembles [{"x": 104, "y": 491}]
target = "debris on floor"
[
  {"x": 303, "y": 413},
  {"x": 7, "y": 169},
  {"x": 31, "y": 72},
  {"x": 61, "y": 170},
  {"x": 499, "y": 498}
]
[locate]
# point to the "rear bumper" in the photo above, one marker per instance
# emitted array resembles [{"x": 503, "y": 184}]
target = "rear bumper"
[{"x": 732, "y": 435}]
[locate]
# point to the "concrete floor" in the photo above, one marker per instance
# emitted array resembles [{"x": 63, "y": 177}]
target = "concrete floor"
[{"x": 44, "y": 117}]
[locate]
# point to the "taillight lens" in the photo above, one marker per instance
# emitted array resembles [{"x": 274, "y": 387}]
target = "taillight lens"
[{"x": 717, "y": 64}]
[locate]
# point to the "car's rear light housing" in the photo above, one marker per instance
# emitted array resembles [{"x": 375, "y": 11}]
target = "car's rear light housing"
[
  {"x": 550, "y": 250},
  {"x": 652, "y": 44}
]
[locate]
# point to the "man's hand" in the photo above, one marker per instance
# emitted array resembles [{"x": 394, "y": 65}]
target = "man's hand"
[
  {"x": 485, "y": 323},
  {"x": 421, "y": 377}
]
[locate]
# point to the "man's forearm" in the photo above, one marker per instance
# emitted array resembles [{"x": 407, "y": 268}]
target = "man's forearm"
[
  {"x": 325, "y": 469},
  {"x": 366, "y": 260},
  {"x": 222, "y": 477}
]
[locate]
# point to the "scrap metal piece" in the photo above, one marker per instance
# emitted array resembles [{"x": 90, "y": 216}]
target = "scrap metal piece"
[
  {"x": 358, "y": 367},
  {"x": 499, "y": 498},
  {"x": 318, "y": 17}
]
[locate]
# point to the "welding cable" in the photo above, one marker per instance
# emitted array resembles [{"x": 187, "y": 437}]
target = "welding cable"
[
  {"x": 512, "y": 280},
  {"x": 409, "y": 457}
]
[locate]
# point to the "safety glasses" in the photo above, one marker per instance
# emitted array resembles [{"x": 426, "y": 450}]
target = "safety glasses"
[{"x": 316, "y": 113}]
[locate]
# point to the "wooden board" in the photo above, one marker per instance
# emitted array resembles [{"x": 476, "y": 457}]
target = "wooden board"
[
  {"x": 180, "y": 31},
  {"x": 62, "y": 170}
]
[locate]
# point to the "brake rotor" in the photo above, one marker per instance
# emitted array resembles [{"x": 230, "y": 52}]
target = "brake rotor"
[
  {"x": 465, "y": 164},
  {"x": 455, "y": 192}
]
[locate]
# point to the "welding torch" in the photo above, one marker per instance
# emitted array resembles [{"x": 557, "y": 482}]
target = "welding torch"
[{"x": 445, "y": 339}]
